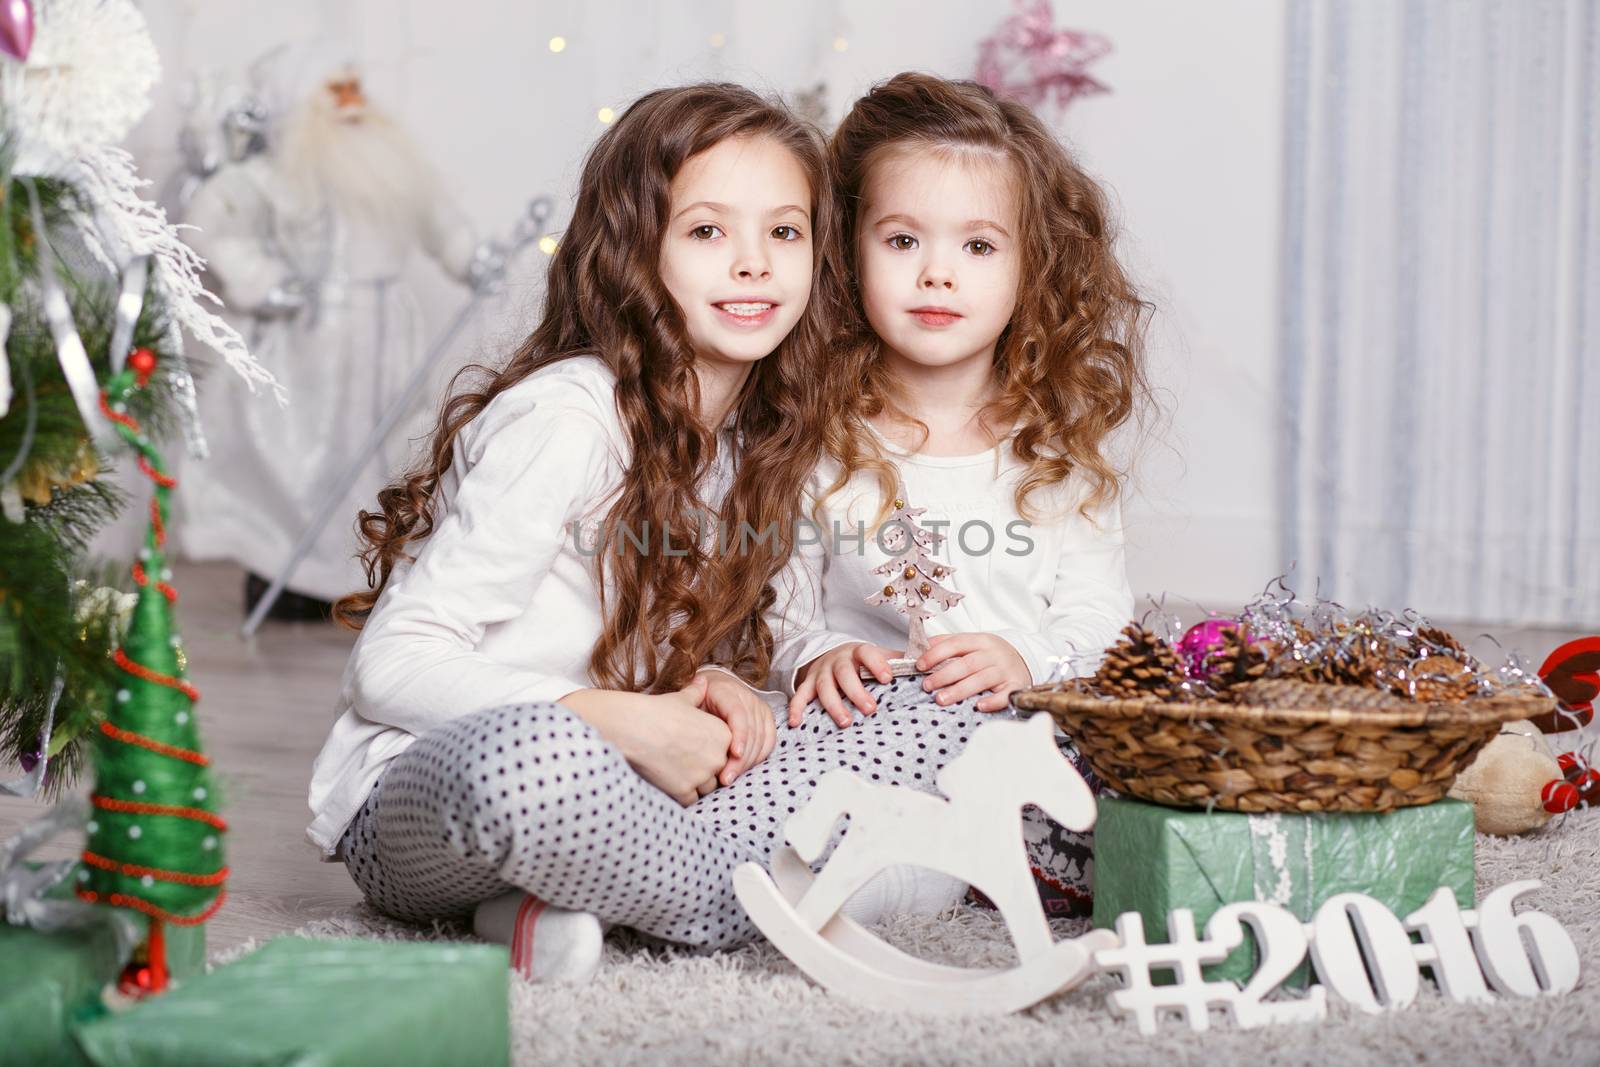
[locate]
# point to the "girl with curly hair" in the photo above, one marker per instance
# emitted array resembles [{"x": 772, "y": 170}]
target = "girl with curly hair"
[
  {"x": 548, "y": 721},
  {"x": 996, "y": 344}
]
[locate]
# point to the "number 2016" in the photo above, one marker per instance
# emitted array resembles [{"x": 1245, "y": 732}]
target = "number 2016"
[{"x": 1364, "y": 955}]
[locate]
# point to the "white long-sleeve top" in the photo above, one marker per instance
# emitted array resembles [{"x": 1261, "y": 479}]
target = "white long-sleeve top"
[
  {"x": 500, "y": 605},
  {"x": 1052, "y": 589}
]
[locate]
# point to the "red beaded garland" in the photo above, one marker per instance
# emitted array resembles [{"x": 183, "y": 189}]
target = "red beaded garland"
[{"x": 118, "y": 900}]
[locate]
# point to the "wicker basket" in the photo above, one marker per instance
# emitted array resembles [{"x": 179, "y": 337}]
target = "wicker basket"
[{"x": 1258, "y": 759}]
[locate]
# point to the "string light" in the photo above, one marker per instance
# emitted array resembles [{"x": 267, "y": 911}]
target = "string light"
[
  {"x": 606, "y": 115},
  {"x": 718, "y": 40},
  {"x": 558, "y": 44},
  {"x": 547, "y": 245},
  {"x": 840, "y": 44}
]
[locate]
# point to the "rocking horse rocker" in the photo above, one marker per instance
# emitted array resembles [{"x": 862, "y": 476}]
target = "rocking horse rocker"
[{"x": 974, "y": 835}]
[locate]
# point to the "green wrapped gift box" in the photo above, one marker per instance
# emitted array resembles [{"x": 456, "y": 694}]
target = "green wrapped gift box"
[
  {"x": 49, "y": 979},
  {"x": 300, "y": 1001},
  {"x": 1153, "y": 859}
]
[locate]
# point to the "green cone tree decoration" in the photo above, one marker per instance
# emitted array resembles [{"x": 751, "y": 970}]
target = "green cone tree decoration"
[{"x": 155, "y": 840}]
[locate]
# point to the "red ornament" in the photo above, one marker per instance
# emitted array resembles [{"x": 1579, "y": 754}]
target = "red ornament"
[
  {"x": 146, "y": 974},
  {"x": 143, "y": 362},
  {"x": 136, "y": 980},
  {"x": 1559, "y": 797}
]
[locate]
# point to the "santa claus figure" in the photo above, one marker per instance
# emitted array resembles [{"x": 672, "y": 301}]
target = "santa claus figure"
[{"x": 307, "y": 241}]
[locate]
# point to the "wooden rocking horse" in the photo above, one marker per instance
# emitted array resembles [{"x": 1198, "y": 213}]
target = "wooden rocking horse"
[{"x": 973, "y": 833}]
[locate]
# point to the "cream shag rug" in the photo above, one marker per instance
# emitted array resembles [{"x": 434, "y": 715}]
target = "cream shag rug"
[{"x": 660, "y": 1007}]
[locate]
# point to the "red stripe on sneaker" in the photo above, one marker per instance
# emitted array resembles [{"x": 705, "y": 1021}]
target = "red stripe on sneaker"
[
  {"x": 516, "y": 934},
  {"x": 528, "y": 913}
]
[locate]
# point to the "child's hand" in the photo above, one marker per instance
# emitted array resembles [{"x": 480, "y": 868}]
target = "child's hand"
[
  {"x": 835, "y": 675},
  {"x": 677, "y": 747},
  {"x": 749, "y": 720},
  {"x": 973, "y": 663}
]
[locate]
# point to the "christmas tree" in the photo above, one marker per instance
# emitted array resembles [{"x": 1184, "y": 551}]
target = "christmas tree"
[
  {"x": 914, "y": 587},
  {"x": 89, "y": 271},
  {"x": 155, "y": 841}
]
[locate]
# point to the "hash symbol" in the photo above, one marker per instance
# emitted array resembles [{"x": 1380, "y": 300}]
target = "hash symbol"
[{"x": 1183, "y": 955}]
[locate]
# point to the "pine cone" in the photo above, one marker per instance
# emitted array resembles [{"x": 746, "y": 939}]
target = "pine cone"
[
  {"x": 1440, "y": 639},
  {"x": 1439, "y": 680},
  {"x": 1141, "y": 666},
  {"x": 1287, "y": 693},
  {"x": 1305, "y": 663},
  {"x": 1433, "y": 641},
  {"x": 1369, "y": 662},
  {"x": 1237, "y": 661}
]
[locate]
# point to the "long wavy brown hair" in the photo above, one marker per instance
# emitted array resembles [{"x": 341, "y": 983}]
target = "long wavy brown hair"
[
  {"x": 1070, "y": 365},
  {"x": 605, "y": 296}
]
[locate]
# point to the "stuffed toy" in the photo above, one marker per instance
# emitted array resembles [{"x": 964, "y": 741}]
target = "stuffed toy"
[{"x": 1516, "y": 784}]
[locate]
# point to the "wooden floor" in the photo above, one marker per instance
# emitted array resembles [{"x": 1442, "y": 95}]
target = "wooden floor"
[{"x": 266, "y": 705}]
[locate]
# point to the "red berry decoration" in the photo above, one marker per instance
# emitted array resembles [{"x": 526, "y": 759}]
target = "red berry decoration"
[{"x": 143, "y": 362}]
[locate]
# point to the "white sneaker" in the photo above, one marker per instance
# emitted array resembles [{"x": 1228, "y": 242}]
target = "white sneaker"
[
  {"x": 903, "y": 890},
  {"x": 547, "y": 944}
]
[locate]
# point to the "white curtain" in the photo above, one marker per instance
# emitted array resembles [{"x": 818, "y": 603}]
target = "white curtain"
[{"x": 1440, "y": 312}]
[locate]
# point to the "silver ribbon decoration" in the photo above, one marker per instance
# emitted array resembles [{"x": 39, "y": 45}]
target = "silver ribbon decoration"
[
  {"x": 23, "y": 887},
  {"x": 69, "y": 346},
  {"x": 129, "y": 303},
  {"x": 31, "y": 782}
]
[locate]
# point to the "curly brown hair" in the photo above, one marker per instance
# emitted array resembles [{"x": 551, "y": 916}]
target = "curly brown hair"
[
  {"x": 605, "y": 295},
  {"x": 1070, "y": 365}
]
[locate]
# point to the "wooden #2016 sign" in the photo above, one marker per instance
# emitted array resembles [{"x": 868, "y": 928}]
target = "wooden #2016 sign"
[{"x": 1361, "y": 951}]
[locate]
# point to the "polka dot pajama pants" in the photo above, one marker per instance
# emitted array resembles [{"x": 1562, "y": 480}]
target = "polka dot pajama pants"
[{"x": 530, "y": 796}]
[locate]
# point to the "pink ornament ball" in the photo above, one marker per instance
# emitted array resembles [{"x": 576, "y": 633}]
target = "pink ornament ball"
[
  {"x": 1199, "y": 641},
  {"x": 16, "y": 28}
]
